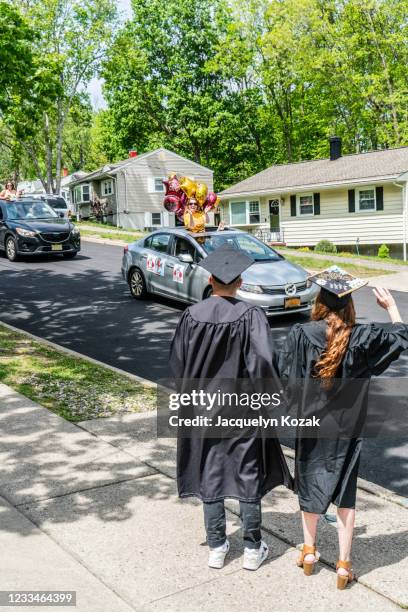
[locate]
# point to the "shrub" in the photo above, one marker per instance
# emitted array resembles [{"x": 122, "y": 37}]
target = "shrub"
[
  {"x": 325, "y": 246},
  {"x": 383, "y": 251},
  {"x": 304, "y": 250}
]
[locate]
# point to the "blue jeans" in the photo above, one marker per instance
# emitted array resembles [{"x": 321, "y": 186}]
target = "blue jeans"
[{"x": 214, "y": 520}]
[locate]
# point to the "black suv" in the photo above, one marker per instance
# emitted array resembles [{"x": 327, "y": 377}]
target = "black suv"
[{"x": 32, "y": 227}]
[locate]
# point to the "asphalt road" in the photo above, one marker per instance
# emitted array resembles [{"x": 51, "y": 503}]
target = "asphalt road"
[{"x": 85, "y": 305}]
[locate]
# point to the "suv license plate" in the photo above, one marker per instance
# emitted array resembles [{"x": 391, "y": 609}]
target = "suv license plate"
[
  {"x": 56, "y": 247},
  {"x": 292, "y": 302}
]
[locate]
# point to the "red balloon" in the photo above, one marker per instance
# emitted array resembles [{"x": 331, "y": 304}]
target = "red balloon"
[
  {"x": 172, "y": 203},
  {"x": 172, "y": 186},
  {"x": 211, "y": 199}
]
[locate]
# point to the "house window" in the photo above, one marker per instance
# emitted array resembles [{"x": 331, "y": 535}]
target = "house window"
[
  {"x": 158, "y": 184},
  {"x": 245, "y": 213},
  {"x": 366, "y": 199},
  {"x": 305, "y": 204},
  {"x": 107, "y": 187},
  {"x": 254, "y": 214},
  {"x": 85, "y": 193},
  {"x": 156, "y": 218}
]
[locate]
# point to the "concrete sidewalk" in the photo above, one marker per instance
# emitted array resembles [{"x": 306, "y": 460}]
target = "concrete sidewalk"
[{"x": 93, "y": 508}]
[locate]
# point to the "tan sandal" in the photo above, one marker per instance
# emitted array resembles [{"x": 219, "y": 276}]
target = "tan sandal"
[
  {"x": 308, "y": 566},
  {"x": 342, "y": 581}
]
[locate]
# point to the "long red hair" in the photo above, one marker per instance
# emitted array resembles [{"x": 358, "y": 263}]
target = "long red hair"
[{"x": 339, "y": 326}]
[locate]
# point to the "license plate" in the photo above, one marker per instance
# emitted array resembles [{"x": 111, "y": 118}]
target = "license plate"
[
  {"x": 56, "y": 247},
  {"x": 292, "y": 302}
]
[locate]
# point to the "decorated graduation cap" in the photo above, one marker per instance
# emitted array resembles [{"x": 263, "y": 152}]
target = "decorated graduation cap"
[
  {"x": 337, "y": 285},
  {"x": 226, "y": 264}
]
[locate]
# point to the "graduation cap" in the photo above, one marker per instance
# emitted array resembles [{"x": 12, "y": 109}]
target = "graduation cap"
[
  {"x": 226, "y": 264},
  {"x": 337, "y": 285}
]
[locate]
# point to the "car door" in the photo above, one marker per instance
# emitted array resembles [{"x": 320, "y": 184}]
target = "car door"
[
  {"x": 155, "y": 257},
  {"x": 187, "y": 277}
]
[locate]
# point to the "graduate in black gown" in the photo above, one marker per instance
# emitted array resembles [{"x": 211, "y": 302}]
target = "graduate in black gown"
[
  {"x": 225, "y": 338},
  {"x": 332, "y": 347}
]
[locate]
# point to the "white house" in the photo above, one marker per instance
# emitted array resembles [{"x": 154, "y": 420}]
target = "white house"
[
  {"x": 361, "y": 198},
  {"x": 133, "y": 188}
]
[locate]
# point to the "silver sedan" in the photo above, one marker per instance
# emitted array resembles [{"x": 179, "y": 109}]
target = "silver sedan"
[{"x": 165, "y": 263}]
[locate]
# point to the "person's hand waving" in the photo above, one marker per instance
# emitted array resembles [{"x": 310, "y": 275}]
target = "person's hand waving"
[{"x": 385, "y": 300}]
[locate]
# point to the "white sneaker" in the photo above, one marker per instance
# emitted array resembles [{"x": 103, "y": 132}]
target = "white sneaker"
[
  {"x": 216, "y": 558},
  {"x": 254, "y": 557}
]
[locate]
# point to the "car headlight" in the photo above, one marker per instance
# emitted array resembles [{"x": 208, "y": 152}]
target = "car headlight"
[
  {"x": 75, "y": 231},
  {"x": 251, "y": 288},
  {"x": 26, "y": 233}
]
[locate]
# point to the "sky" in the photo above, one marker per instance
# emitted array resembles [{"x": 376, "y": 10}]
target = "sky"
[{"x": 95, "y": 86}]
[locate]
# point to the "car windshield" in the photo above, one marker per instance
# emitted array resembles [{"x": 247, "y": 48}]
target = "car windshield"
[
  {"x": 30, "y": 210},
  {"x": 243, "y": 242},
  {"x": 57, "y": 203}
]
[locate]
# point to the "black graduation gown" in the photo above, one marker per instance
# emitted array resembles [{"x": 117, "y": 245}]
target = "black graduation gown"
[
  {"x": 226, "y": 338},
  {"x": 326, "y": 469}
]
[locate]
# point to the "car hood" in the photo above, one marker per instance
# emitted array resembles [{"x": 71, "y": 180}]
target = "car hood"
[
  {"x": 274, "y": 273},
  {"x": 44, "y": 225}
]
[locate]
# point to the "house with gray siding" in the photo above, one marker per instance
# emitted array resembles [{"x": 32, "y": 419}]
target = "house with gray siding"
[
  {"x": 132, "y": 190},
  {"x": 351, "y": 200}
]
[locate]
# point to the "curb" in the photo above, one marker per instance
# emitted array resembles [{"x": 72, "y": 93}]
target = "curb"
[
  {"x": 97, "y": 240},
  {"x": 71, "y": 353}
]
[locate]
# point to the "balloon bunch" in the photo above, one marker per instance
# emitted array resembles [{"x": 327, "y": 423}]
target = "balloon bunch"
[{"x": 183, "y": 191}]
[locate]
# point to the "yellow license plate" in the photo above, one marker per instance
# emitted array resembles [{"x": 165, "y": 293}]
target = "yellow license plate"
[
  {"x": 292, "y": 302},
  {"x": 56, "y": 247}
]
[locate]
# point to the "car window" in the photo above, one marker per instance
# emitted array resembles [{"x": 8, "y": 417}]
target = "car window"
[
  {"x": 36, "y": 209},
  {"x": 243, "y": 242},
  {"x": 159, "y": 242},
  {"x": 1, "y": 213},
  {"x": 185, "y": 247}
]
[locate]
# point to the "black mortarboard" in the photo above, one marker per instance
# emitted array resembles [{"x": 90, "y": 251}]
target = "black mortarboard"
[
  {"x": 226, "y": 263},
  {"x": 337, "y": 285}
]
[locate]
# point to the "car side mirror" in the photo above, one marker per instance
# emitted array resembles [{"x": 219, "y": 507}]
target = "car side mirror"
[
  {"x": 186, "y": 258},
  {"x": 61, "y": 215}
]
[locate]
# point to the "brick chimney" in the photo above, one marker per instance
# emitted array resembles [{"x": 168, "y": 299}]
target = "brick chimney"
[
  {"x": 335, "y": 147},
  {"x": 65, "y": 171},
  {"x": 132, "y": 153}
]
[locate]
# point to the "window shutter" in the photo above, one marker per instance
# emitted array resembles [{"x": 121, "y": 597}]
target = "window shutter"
[
  {"x": 379, "y": 198},
  {"x": 352, "y": 200},
  {"x": 293, "y": 206},
  {"x": 316, "y": 203}
]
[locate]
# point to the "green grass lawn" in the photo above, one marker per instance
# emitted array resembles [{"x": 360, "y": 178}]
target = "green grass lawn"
[
  {"x": 72, "y": 387},
  {"x": 125, "y": 237},
  {"x": 312, "y": 263},
  {"x": 350, "y": 255},
  {"x": 97, "y": 224}
]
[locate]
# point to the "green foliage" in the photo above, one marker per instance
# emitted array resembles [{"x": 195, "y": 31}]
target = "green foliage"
[
  {"x": 325, "y": 246},
  {"x": 304, "y": 250},
  {"x": 384, "y": 251},
  {"x": 238, "y": 86}
]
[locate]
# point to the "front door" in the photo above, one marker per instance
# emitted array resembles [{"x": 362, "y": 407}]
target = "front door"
[{"x": 274, "y": 215}]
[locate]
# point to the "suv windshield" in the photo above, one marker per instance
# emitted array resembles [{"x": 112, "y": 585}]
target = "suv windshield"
[
  {"x": 243, "y": 242},
  {"x": 30, "y": 210},
  {"x": 57, "y": 203}
]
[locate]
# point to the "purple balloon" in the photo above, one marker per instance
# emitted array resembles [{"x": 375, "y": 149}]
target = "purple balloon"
[{"x": 211, "y": 199}]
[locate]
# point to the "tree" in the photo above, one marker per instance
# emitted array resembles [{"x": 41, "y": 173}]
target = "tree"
[{"x": 74, "y": 36}]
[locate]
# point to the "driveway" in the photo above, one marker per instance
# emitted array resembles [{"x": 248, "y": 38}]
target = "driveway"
[{"x": 85, "y": 305}]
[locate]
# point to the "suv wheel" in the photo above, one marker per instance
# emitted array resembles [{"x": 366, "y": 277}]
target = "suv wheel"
[
  {"x": 11, "y": 249},
  {"x": 137, "y": 284}
]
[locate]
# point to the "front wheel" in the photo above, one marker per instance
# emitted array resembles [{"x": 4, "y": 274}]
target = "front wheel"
[
  {"x": 11, "y": 249},
  {"x": 137, "y": 284}
]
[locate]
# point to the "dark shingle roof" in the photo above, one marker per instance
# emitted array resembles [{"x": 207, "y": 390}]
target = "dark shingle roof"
[{"x": 361, "y": 166}]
